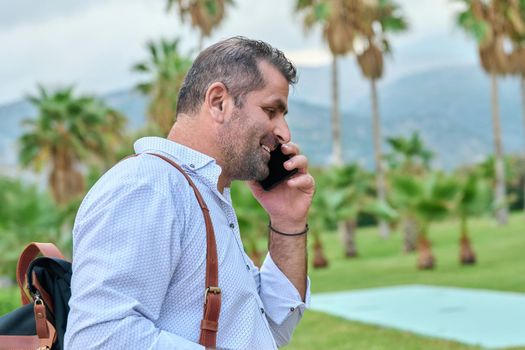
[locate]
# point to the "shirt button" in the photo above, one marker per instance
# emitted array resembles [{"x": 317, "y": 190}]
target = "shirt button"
[
  {"x": 292, "y": 309},
  {"x": 232, "y": 225},
  {"x": 248, "y": 267},
  {"x": 262, "y": 311},
  {"x": 192, "y": 166}
]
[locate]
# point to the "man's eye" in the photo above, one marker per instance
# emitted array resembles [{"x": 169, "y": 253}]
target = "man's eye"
[{"x": 270, "y": 111}]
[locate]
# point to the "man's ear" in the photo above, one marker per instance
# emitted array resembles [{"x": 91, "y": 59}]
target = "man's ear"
[{"x": 218, "y": 101}]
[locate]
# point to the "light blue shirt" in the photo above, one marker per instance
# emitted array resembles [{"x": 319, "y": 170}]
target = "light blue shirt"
[{"x": 139, "y": 256}]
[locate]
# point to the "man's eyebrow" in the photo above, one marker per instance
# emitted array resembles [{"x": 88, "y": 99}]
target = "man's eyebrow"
[{"x": 280, "y": 105}]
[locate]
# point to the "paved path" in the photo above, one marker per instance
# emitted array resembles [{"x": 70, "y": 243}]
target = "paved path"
[{"x": 479, "y": 317}]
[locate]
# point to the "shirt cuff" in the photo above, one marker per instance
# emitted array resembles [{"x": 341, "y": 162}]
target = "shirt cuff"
[{"x": 279, "y": 296}]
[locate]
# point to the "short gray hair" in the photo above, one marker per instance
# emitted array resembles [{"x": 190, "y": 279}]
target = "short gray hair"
[{"x": 234, "y": 62}]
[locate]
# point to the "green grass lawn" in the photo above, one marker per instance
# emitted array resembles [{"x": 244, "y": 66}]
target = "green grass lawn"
[
  {"x": 501, "y": 266},
  {"x": 500, "y": 251}
]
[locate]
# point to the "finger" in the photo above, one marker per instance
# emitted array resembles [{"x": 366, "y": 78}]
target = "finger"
[
  {"x": 299, "y": 162},
  {"x": 290, "y": 148},
  {"x": 305, "y": 183}
]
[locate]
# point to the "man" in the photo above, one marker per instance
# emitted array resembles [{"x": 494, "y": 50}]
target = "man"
[{"x": 139, "y": 238}]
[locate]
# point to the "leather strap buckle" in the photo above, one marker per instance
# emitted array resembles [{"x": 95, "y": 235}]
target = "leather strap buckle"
[{"x": 214, "y": 290}]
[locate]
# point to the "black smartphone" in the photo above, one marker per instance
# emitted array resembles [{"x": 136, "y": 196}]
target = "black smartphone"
[{"x": 277, "y": 171}]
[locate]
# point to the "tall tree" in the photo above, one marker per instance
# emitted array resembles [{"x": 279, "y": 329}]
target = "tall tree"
[
  {"x": 516, "y": 16},
  {"x": 166, "y": 68},
  {"x": 68, "y": 131},
  {"x": 205, "y": 15},
  {"x": 340, "y": 21},
  {"x": 382, "y": 17},
  {"x": 486, "y": 22}
]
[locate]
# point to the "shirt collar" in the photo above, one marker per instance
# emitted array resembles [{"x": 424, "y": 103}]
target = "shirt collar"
[{"x": 190, "y": 159}]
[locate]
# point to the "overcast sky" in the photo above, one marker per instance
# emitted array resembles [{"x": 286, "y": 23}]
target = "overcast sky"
[{"x": 93, "y": 43}]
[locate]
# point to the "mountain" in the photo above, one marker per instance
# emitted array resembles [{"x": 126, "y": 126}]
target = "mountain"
[
  {"x": 449, "y": 106},
  {"x": 315, "y": 84}
]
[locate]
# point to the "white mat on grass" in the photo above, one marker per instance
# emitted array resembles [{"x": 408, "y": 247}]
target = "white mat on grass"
[{"x": 479, "y": 317}]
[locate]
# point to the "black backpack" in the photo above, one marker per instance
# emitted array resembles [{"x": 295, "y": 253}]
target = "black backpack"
[{"x": 44, "y": 284}]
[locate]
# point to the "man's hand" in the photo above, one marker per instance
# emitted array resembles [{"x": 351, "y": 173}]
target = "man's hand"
[
  {"x": 289, "y": 202},
  {"x": 288, "y": 205}
]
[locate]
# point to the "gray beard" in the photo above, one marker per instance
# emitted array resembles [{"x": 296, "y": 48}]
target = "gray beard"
[
  {"x": 239, "y": 166},
  {"x": 242, "y": 161}
]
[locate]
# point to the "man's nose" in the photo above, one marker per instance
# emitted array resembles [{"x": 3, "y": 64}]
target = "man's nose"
[{"x": 282, "y": 131}]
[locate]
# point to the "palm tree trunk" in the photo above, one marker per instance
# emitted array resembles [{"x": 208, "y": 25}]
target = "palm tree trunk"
[
  {"x": 384, "y": 229},
  {"x": 337, "y": 153},
  {"x": 347, "y": 230},
  {"x": 425, "y": 259},
  {"x": 319, "y": 258},
  {"x": 65, "y": 181},
  {"x": 59, "y": 179},
  {"x": 466, "y": 253},
  {"x": 411, "y": 230},
  {"x": 499, "y": 194},
  {"x": 523, "y": 109}
]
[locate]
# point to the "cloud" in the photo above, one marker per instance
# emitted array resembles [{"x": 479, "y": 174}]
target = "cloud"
[
  {"x": 20, "y": 12},
  {"x": 310, "y": 57},
  {"x": 93, "y": 44},
  {"x": 93, "y": 49}
]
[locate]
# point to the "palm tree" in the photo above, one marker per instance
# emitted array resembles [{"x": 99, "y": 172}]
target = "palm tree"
[
  {"x": 348, "y": 191},
  {"x": 425, "y": 199},
  {"x": 205, "y": 15},
  {"x": 316, "y": 227},
  {"x": 516, "y": 16},
  {"x": 486, "y": 170},
  {"x": 166, "y": 68},
  {"x": 409, "y": 156},
  {"x": 322, "y": 217},
  {"x": 382, "y": 17},
  {"x": 341, "y": 21},
  {"x": 485, "y": 21},
  {"x": 473, "y": 199},
  {"x": 68, "y": 132}
]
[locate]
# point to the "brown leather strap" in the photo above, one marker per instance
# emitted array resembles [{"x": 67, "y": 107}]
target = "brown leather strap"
[
  {"x": 43, "y": 293},
  {"x": 212, "y": 293},
  {"x": 45, "y": 330},
  {"x": 40, "y": 319},
  {"x": 19, "y": 342},
  {"x": 28, "y": 254}
]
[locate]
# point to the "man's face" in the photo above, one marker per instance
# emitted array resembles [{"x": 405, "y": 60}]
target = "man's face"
[{"x": 256, "y": 128}]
